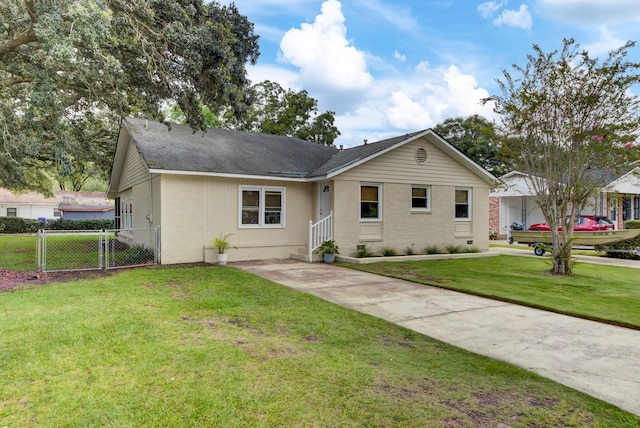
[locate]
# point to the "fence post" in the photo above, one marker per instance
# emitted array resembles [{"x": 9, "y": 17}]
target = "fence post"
[
  {"x": 102, "y": 264},
  {"x": 39, "y": 252}
]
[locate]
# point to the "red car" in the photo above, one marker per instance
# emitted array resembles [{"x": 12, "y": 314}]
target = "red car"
[{"x": 585, "y": 223}]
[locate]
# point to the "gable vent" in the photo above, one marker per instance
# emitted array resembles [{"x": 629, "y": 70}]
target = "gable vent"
[{"x": 421, "y": 156}]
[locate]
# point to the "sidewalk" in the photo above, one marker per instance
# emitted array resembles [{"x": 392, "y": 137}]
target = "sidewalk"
[{"x": 598, "y": 359}]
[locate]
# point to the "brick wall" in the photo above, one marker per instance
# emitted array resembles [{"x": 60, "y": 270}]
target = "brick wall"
[{"x": 494, "y": 217}]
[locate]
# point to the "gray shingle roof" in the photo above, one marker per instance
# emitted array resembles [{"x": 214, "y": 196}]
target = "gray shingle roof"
[
  {"x": 225, "y": 152},
  {"x": 221, "y": 151}
]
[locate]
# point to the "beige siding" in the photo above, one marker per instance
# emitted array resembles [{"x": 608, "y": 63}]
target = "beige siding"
[
  {"x": 134, "y": 170},
  {"x": 401, "y": 227},
  {"x": 197, "y": 209},
  {"x": 400, "y": 166}
]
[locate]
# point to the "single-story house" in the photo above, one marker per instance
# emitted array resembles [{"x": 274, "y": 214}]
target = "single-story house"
[
  {"x": 64, "y": 204},
  {"x": 514, "y": 200},
  {"x": 269, "y": 191},
  {"x": 29, "y": 205}
]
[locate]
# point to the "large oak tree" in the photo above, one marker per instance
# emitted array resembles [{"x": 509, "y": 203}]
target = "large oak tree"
[
  {"x": 566, "y": 117},
  {"x": 71, "y": 69},
  {"x": 275, "y": 110}
]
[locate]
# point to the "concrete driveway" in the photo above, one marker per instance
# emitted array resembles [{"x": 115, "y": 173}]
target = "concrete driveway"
[{"x": 598, "y": 359}]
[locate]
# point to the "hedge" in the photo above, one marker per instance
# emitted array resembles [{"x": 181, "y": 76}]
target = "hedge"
[
  {"x": 12, "y": 225},
  {"x": 629, "y": 244}
]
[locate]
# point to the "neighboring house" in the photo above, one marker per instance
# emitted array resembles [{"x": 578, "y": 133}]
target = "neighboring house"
[
  {"x": 30, "y": 205},
  {"x": 514, "y": 200},
  {"x": 85, "y": 206},
  {"x": 65, "y": 204},
  {"x": 410, "y": 191}
]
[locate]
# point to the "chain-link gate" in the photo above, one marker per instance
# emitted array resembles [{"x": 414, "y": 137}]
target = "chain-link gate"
[
  {"x": 131, "y": 247},
  {"x": 63, "y": 250}
]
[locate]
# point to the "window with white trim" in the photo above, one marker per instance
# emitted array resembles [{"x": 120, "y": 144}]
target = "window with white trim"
[
  {"x": 12, "y": 212},
  {"x": 261, "y": 207},
  {"x": 463, "y": 204},
  {"x": 370, "y": 202},
  {"x": 420, "y": 198},
  {"x": 126, "y": 213}
]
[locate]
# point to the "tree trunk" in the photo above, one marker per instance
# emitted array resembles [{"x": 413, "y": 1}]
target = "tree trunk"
[{"x": 562, "y": 258}]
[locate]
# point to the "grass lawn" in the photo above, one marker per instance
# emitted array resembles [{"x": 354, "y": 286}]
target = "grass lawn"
[
  {"x": 594, "y": 291},
  {"x": 18, "y": 252},
  {"x": 215, "y": 346}
]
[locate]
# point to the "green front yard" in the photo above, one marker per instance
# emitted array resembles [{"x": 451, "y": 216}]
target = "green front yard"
[
  {"x": 211, "y": 346},
  {"x": 597, "y": 292},
  {"x": 18, "y": 252}
]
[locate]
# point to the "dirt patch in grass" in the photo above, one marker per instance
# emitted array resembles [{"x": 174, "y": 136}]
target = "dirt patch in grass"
[{"x": 10, "y": 279}]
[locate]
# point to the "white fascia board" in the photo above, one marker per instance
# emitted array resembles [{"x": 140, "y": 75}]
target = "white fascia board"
[
  {"x": 124, "y": 139},
  {"x": 240, "y": 176}
]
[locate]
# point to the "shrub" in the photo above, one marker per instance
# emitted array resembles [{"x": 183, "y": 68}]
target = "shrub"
[
  {"x": 432, "y": 249},
  {"x": 453, "y": 249},
  {"x": 409, "y": 251},
  {"x": 388, "y": 251},
  {"x": 19, "y": 225},
  {"x": 138, "y": 254},
  {"x": 86, "y": 224},
  {"x": 27, "y": 225},
  {"x": 629, "y": 244},
  {"x": 471, "y": 250},
  {"x": 362, "y": 251}
]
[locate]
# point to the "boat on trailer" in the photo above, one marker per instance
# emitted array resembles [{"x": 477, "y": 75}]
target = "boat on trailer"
[{"x": 541, "y": 240}]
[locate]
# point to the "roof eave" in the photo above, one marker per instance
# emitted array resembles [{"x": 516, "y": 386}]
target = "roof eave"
[
  {"x": 124, "y": 138},
  {"x": 238, "y": 176}
]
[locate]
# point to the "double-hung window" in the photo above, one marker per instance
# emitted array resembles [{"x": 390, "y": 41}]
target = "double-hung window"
[
  {"x": 463, "y": 204},
  {"x": 420, "y": 198},
  {"x": 261, "y": 206},
  {"x": 126, "y": 213},
  {"x": 12, "y": 212},
  {"x": 370, "y": 202}
]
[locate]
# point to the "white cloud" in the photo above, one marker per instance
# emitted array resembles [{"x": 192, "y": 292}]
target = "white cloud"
[
  {"x": 606, "y": 42},
  {"x": 519, "y": 19},
  {"x": 440, "y": 93},
  {"x": 406, "y": 113},
  {"x": 325, "y": 57},
  {"x": 398, "y": 16},
  {"x": 336, "y": 73},
  {"x": 489, "y": 8},
  {"x": 420, "y": 100},
  {"x": 591, "y": 11}
]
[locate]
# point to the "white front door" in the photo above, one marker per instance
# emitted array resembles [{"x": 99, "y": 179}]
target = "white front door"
[{"x": 324, "y": 191}]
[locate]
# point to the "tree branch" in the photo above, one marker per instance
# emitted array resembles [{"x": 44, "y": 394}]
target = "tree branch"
[{"x": 22, "y": 39}]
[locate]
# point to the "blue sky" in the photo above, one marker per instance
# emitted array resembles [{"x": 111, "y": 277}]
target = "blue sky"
[{"x": 390, "y": 67}]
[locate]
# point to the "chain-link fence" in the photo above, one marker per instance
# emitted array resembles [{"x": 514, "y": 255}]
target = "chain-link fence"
[
  {"x": 131, "y": 247},
  {"x": 59, "y": 250}
]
